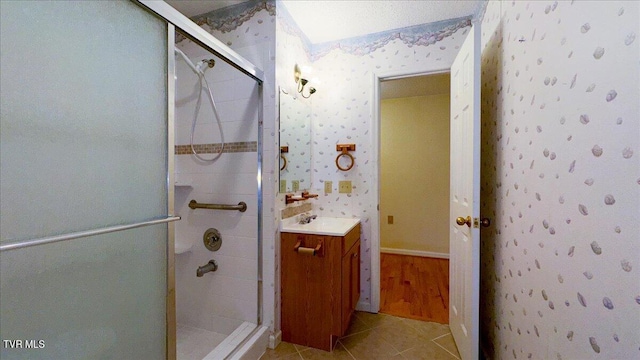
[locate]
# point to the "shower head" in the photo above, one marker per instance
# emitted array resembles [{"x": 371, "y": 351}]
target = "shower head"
[{"x": 210, "y": 62}]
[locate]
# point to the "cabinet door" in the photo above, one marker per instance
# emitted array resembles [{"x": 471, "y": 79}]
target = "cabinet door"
[
  {"x": 307, "y": 284},
  {"x": 350, "y": 283}
]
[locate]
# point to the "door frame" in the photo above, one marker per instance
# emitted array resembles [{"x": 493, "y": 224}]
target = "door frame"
[{"x": 377, "y": 77}]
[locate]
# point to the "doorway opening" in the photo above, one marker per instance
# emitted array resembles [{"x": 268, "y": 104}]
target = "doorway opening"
[
  {"x": 414, "y": 196},
  {"x": 464, "y": 214}
]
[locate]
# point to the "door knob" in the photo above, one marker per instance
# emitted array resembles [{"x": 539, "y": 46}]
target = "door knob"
[
  {"x": 485, "y": 222},
  {"x": 461, "y": 221}
]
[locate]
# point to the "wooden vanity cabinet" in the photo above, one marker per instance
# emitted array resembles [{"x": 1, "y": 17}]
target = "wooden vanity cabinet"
[
  {"x": 350, "y": 284},
  {"x": 319, "y": 292}
]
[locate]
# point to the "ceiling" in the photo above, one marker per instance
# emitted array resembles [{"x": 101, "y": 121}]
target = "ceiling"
[
  {"x": 415, "y": 86},
  {"x": 324, "y": 20}
]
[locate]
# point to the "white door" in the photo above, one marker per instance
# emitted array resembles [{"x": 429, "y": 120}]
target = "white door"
[{"x": 464, "y": 263}]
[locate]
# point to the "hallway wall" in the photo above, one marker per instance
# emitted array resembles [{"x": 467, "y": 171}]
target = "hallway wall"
[
  {"x": 414, "y": 174},
  {"x": 560, "y": 179}
]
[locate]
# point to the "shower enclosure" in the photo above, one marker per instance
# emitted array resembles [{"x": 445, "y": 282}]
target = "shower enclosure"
[
  {"x": 88, "y": 180},
  {"x": 216, "y": 158}
]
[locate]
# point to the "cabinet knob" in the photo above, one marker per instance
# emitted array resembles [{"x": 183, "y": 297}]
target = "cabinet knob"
[{"x": 355, "y": 255}]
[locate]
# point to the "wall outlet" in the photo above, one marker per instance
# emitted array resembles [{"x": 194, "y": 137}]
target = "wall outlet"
[
  {"x": 295, "y": 185},
  {"x": 328, "y": 187},
  {"x": 283, "y": 186},
  {"x": 344, "y": 187}
]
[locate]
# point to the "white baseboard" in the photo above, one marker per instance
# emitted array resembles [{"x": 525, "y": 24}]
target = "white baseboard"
[
  {"x": 275, "y": 339},
  {"x": 415, "y": 253}
]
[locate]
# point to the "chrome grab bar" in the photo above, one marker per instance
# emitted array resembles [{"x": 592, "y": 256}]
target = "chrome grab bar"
[
  {"x": 57, "y": 238},
  {"x": 242, "y": 206}
]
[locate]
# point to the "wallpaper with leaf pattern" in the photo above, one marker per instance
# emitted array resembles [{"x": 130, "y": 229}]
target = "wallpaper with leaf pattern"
[
  {"x": 342, "y": 113},
  {"x": 560, "y": 167},
  {"x": 561, "y": 180}
]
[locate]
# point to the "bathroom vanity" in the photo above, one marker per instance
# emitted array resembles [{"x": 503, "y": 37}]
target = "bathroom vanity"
[{"x": 320, "y": 280}]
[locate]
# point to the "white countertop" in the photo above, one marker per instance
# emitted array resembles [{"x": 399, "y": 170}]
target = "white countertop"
[{"x": 320, "y": 226}]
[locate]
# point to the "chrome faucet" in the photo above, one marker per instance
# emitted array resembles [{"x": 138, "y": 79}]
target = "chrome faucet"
[
  {"x": 211, "y": 266},
  {"x": 305, "y": 219}
]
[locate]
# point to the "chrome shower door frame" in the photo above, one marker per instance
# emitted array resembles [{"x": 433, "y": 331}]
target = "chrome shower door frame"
[
  {"x": 175, "y": 20},
  {"x": 206, "y": 40}
]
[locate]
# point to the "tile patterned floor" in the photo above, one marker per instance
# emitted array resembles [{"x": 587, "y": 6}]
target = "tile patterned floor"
[
  {"x": 194, "y": 344},
  {"x": 380, "y": 336}
]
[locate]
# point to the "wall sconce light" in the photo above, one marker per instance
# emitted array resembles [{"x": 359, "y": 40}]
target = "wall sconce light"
[{"x": 302, "y": 82}]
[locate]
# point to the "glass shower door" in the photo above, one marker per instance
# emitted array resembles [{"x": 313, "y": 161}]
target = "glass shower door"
[{"x": 83, "y": 151}]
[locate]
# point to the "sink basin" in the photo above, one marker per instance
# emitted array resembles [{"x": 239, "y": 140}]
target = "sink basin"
[{"x": 320, "y": 226}]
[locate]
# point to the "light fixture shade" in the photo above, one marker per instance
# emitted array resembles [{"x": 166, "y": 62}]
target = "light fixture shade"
[
  {"x": 296, "y": 73},
  {"x": 301, "y": 82}
]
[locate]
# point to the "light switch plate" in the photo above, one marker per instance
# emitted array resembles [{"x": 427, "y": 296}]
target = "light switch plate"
[
  {"x": 283, "y": 186},
  {"x": 344, "y": 187},
  {"x": 295, "y": 185},
  {"x": 328, "y": 187}
]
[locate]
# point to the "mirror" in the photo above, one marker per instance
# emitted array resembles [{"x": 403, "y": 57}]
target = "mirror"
[{"x": 295, "y": 142}]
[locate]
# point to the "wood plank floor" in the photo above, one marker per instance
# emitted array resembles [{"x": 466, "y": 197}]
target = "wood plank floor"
[{"x": 414, "y": 287}]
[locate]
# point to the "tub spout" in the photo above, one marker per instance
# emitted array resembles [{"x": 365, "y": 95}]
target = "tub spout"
[{"x": 211, "y": 266}]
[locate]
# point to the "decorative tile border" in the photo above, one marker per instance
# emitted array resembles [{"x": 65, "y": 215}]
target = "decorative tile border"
[
  {"x": 235, "y": 147},
  {"x": 295, "y": 210}
]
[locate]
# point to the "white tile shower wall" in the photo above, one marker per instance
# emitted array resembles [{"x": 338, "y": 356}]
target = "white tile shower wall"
[
  {"x": 223, "y": 300},
  {"x": 342, "y": 113},
  {"x": 249, "y": 29},
  {"x": 561, "y": 179}
]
